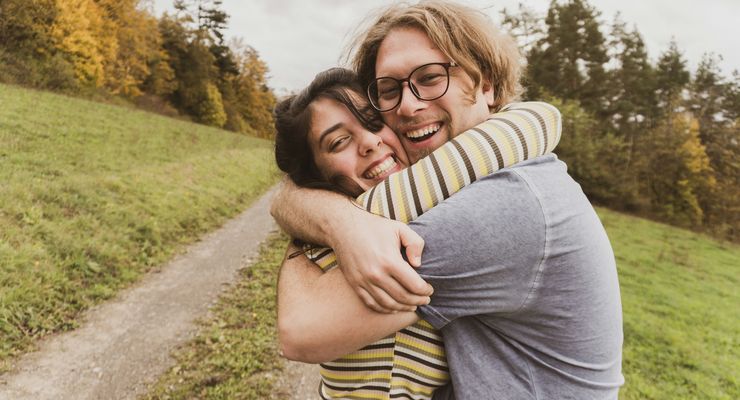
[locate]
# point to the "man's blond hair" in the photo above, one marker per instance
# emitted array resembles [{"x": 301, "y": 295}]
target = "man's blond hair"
[{"x": 465, "y": 35}]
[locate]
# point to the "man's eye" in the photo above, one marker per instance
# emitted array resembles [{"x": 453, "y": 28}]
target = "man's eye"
[
  {"x": 388, "y": 93},
  {"x": 429, "y": 79}
]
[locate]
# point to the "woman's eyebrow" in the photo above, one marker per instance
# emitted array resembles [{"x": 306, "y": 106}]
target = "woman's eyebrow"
[{"x": 329, "y": 130}]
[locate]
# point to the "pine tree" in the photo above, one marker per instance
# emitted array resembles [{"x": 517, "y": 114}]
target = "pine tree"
[
  {"x": 631, "y": 103},
  {"x": 671, "y": 78},
  {"x": 569, "y": 61}
]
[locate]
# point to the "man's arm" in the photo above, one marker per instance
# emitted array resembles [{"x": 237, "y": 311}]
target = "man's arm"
[
  {"x": 321, "y": 319},
  {"x": 309, "y": 223},
  {"x": 358, "y": 239},
  {"x": 536, "y": 130}
]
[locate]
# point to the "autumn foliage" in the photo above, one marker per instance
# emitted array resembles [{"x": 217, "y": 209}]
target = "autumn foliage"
[
  {"x": 645, "y": 136},
  {"x": 176, "y": 64}
]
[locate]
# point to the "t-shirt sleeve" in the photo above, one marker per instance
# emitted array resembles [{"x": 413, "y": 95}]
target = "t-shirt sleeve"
[{"x": 483, "y": 249}]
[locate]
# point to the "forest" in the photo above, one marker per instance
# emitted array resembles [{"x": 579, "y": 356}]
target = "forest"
[
  {"x": 177, "y": 64},
  {"x": 646, "y": 136}
]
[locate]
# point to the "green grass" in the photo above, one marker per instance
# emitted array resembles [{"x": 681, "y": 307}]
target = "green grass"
[
  {"x": 680, "y": 299},
  {"x": 679, "y": 294},
  {"x": 93, "y": 195},
  {"x": 234, "y": 356}
]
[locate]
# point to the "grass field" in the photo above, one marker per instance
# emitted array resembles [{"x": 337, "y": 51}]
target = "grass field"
[
  {"x": 93, "y": 195},
  {"x": 681, "y": 305},
  {"x": 681, "y": 325}
]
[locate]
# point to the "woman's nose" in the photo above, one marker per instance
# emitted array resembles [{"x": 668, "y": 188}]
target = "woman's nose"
[{"x": 369, "y": 142}]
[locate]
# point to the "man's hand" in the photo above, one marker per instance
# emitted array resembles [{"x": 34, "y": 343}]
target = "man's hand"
[
  {"x": 371, "y": 258},
  {"x": 368, "y": 247}
]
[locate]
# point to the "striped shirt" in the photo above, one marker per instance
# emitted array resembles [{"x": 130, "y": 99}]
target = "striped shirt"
[{"x": 411, "y": 363}]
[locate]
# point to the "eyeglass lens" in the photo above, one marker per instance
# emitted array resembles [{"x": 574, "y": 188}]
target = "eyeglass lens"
[{"x": 428, "y": 82}]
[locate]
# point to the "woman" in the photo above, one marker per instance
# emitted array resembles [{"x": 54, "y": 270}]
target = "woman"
[{"x": 329, "y": 137}]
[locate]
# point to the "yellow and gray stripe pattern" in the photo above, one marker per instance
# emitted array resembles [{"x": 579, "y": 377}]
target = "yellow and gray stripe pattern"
[{"x": 411, "y": 363}]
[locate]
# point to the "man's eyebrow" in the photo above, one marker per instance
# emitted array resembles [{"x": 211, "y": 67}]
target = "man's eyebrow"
[{"x": 329, "y": 130}]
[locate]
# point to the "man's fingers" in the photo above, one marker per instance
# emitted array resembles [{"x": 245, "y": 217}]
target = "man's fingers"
[
  {"x": 412, "y": 282},
  {"x": 403, "y": 296},
  {"x": 371, "y": 303},
  {"x": 400, "y": 292},
  {"x": 414, "y": 245},
  {"x": 386, "y": 301}
]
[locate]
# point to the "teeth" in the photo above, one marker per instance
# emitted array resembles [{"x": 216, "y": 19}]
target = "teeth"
[
  {"x": 419, "y": 133},
  {"x": 386, "y": 165}
]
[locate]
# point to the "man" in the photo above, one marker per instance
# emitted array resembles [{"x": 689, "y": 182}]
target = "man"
[{"x": 525, "y": 287}]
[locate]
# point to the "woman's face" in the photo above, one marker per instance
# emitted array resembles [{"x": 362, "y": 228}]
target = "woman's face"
[{"x": 343, "y": 147}]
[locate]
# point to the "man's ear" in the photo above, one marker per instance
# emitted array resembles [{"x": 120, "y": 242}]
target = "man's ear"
[{"x": 487, "y": 89}]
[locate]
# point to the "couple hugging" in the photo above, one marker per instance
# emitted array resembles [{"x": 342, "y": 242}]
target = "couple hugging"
[{"x": 503, "y": 285}]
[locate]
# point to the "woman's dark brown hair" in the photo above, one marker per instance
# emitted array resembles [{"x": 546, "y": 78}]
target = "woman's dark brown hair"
[{"x": 293, "y": 123}]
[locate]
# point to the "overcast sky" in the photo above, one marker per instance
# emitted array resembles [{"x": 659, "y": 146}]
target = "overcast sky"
[{"x": 298, "y": 38}]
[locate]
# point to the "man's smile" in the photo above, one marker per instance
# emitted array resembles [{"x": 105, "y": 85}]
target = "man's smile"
[{"x": 425, "y": 132}]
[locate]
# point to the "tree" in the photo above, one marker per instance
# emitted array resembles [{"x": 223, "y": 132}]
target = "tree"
[
  {"x": 138, "y": 46},
  {"x": 596, "y": 160},
  {"x": 714, "y": 102},
  {"x": 678, "y": 171},
  {"x": 526, "y": 26},
  {"x": 87, "y": 38},
  {"x": 630, "y": 104},
  {"x": 254, "y": 101},
  {"x": 28, "y": 54},
  {"x": 210, "y": 109},
  {"x": 569, "y": 61},
  {"x": 671, "y": 78}
]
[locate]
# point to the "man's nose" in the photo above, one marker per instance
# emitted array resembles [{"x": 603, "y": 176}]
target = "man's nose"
[{"x": 410, "y": 104}]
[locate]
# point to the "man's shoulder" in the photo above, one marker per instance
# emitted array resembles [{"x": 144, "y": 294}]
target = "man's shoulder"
[
  {"x": 545, "y": 164},
  {"x": 526, "y": 179},
  {"x": 502, "y": 198},
  {"x": 546, "y": 178}
]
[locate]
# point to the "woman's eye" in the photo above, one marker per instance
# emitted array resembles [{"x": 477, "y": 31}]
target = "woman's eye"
[{"x": 338, "y": 142}]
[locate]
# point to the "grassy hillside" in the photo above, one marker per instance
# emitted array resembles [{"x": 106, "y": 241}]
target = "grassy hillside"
[
  {"x": 92, "y": 195},
  {"x": 680, "y": 300},
  {"x": 681, "y": 326}
]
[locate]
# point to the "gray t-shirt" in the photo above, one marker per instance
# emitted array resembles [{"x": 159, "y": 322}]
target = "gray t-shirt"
[{"x": 525, "y": 288}]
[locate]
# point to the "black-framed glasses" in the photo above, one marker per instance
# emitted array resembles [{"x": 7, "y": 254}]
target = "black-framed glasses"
[{"x": 427, "y": 82}]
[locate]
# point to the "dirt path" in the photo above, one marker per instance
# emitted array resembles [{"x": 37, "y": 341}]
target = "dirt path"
[
  {"x": 124, "y": 344},
  {"x": 300, "y": 381}
]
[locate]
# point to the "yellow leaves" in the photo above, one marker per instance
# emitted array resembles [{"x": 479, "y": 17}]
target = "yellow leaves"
[
  {"x": 110, "y": 42},
  {"x": 694, "y": 153},
  {"x": 139, "y": 44},
  {"x": 681, "y": 172},
  {"x": 81, "y": 31},
  {"x": 211, "y": 110}
]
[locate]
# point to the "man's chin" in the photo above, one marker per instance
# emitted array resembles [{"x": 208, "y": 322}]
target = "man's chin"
[{"x": 417, "y": 150}]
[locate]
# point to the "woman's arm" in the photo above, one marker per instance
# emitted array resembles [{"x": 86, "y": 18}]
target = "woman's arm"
[{"x": 321, "y": 319}]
